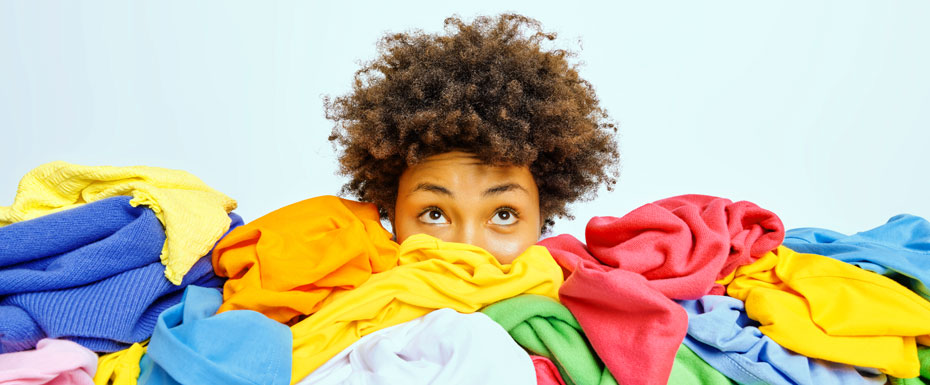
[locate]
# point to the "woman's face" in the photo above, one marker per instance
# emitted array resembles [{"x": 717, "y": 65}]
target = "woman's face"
[{"x": 457, "y": 198}]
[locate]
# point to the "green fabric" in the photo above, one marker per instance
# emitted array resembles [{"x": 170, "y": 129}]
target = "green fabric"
[
  {"x": 691, "y": 369},
  {"x": 923, "y": 353},
  {"x": 544, "y": 327}
]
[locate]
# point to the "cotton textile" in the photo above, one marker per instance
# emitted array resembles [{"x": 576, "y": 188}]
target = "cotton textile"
[
  {"x": 899, "y": 249},
  {"x": 442, "y": 347},
  {"x": 120, "y": 368},
  {"x": 90, "y": 275},
  {"x": 546, "y": 328},
  {"x": 923, "y": 353},
  {"x": 723, "y": 336},
  {"x": 191, "y": 345},
  {"x": 286, "y": 262},
  {"x": 546, "y": 372},
  {"x": 621, "y": 284},
  {"x": 824, "y": 308},
  {"x": 432, "y": 275},
  {"x": 53, "y": 362},
  {"x": 193, "y": 214},
  {"x": 690, "y": 369}
]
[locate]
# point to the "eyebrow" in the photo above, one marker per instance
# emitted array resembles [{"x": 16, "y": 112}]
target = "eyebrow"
[
  {"x": 499, "y": 189},
  {"x": 432, "y": 188}
]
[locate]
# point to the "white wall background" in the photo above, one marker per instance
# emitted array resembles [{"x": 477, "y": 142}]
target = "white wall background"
[{"x": 818, "y": 111}]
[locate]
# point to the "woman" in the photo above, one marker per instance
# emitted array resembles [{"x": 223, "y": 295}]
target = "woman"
[{"x": 477, "y": 136}]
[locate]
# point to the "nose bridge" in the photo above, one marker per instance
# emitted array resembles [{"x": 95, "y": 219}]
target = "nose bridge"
[{"x": 470, "y": 232}]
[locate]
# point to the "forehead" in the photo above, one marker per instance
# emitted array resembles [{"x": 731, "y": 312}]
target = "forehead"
[{"x": 463, "y": 171}]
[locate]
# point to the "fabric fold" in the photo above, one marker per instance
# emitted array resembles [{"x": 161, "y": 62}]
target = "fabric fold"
[
  {"x": 191, "y": 345},
  {"x": 53, "y": 362},
  {"x": 99, "y": 282},
  {"x": 898, "y": 249},
  {"x": 286, "y": 262},
  {"x": 194, "y": 215},
  {"x": 546, "y": 328},
  {"x": 432, "y": 275},
  {"x": 622, "y": 283},
  {"x": 720, "y": 332},
  {"x": 120, "y": 367},
  {"x": 824, "y": 308},
  {"x": 442, "y": 347},
  {"x": 546, "y": 372}
]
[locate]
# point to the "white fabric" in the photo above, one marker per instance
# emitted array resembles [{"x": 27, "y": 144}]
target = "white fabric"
[{"x": 442, "y": 347}]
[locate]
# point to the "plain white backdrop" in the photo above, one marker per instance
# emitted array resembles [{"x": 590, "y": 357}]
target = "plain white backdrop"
[{"x": 818, "y": 111}]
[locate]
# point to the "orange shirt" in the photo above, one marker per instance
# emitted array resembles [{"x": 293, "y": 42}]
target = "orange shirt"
[{"x": 286, "y": 262}]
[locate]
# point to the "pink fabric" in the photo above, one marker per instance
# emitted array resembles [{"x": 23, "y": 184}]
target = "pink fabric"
[
  {"x": 546, "y": 372},
  {"x": 621, "y": 285},
  {"x": 53, "y": 362}
]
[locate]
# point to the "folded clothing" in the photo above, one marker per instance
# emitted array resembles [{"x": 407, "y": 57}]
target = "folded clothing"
[
  {"x": 193, "y": 214},
  {"x": 689, "y": 368},
  {"x": 90, "y": 275},
  {"x": 923, "y": 353},
  {"x": 824, "y": 308},
  {"x": 286, "y": 262},
  {"x": 432, "y": 275},
  {"x": 622, "y": 283},
  {"x": 899, "y": 249},
  {"x": 53, "y": 362},
  {"x": 194, "y": 345},
  {"x": 546, "y": 372},
  {"x": 120, "y": 367},
  {"x": 544, "y": 327},
  {"x": 424, "y": 351},
  {"x": 720, "y": 332}
]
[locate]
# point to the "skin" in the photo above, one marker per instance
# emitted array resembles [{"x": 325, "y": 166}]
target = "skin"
[{"x": 455, "y": 197}]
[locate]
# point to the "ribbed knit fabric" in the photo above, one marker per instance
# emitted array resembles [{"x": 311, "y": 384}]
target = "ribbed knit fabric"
[
  {"x": 622, "y": 283},
  {"x": 54, "y": 362},
  {"x": 899, "y": 249},
  {"x": 193, "y": 345},
  {"x": 543, "y": 326},
  {"x": 50, "y": 295},
  {"x": 193, "y": 214},
  {"x": 720, "y": 332}
]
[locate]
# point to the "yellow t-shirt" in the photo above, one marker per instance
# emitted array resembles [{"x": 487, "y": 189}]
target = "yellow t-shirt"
[
  {"x": 432, "y": 275},
  {"x": 824, "y": 308}
]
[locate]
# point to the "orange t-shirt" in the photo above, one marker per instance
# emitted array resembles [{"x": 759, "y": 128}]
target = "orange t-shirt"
[{"x": 285, "y": 263}]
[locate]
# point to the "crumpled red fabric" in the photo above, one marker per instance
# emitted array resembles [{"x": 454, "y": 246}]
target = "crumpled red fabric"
[
  {"x": 546, "y": 372},
  {"x": 621, "y": 286}
]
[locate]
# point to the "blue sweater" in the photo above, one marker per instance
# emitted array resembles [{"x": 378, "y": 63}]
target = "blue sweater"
[{"x": 90, "y": 274}]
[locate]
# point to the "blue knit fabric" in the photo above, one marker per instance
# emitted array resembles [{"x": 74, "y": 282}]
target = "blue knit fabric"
[
  {"x": 720, "y": 332},
  {"x": 899, "y": 249},
  {"x": 90, "y": 274},
  {"x": 193, "y": 345}
]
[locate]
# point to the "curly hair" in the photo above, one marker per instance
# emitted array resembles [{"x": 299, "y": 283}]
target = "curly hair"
[{"x": 486, "y": 88}]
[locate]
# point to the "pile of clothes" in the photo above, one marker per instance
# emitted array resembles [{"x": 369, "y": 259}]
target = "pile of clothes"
[{"x": 143, "y": 275}]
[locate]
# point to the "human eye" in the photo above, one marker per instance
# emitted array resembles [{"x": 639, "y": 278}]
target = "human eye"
[
  {"x": 433, "y": 215},
  {"x": 505, "y": 216}
]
